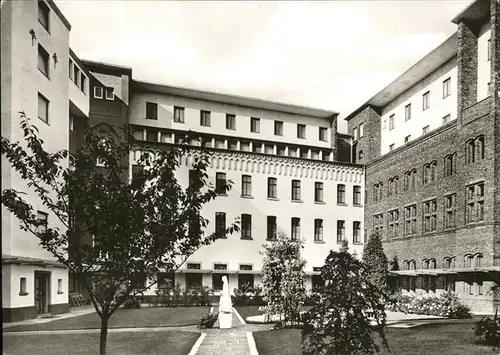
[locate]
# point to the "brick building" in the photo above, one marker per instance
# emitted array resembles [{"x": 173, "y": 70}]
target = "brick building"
[{"x": 431, "y": 145}]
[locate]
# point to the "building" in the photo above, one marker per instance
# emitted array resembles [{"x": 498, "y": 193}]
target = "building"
[
  {"x": 36, "y": 63},
  {"x": 430, "y": 143}
]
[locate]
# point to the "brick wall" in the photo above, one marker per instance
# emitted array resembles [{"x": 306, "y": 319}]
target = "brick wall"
[{"x": 369, "y": 143}]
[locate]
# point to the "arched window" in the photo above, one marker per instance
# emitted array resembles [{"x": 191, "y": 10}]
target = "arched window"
[
  {"x": 396, "y": 185},
  {"x": 469, "y": 152},
  {"x": 468, "y": 260},
  {"x": 433, "y": 171},
  {"x": 479, "y": 148},
  {"x": 407, "y": 265},
  {"x": 478, "y": 260},
  {"x": 407, "y": 180},
  {"x": 413, "y": 178},
  {"x": 432, "y": 263},
  {"x": 425, "y": 264},
  {"x": 425, "y": 174},
  {"x": 413, "y": 265},
  {"x": 381, "y": 190},
  {"x": 390, "y": 185}
]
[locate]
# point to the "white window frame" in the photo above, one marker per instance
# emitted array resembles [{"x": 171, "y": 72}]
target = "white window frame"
[
  {"x": 108, "y": 90},
  {"x": 95, "y": 92}
]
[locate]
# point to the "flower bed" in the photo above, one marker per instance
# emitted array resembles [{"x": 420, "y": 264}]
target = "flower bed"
[{"x": 446, "y": 305}]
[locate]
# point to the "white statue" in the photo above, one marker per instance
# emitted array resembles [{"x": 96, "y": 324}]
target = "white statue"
[{"x": 225, "y": 306}]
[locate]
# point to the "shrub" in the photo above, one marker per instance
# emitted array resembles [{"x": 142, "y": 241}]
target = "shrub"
[
  {"x": 488, "y": 330},
  {"x": 208, "y": 320},
  {"x": 248, "y": 296},
  {"x": 376, "y": 262},
  {"x": 131, "y": 303}
]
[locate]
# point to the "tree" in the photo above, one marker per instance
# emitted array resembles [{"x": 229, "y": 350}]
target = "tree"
[
  {"x": 340, "y": 320},
  {"x": 138, "y": 226},
  {"x": 376, "y": 261},
  {"x": 283, "y": 278}
]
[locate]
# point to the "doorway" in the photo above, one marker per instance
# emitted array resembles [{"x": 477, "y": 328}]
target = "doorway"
[{"x": 42, "y": 288}]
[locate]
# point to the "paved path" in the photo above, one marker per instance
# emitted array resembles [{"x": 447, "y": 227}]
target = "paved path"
[{"x": 73, "y": 312}]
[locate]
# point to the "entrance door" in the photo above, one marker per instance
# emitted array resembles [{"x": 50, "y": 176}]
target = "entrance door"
[{"x": 41, "y": 292}]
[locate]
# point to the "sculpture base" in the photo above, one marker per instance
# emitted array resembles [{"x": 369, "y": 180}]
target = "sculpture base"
[{"x": 225, "y": 320}]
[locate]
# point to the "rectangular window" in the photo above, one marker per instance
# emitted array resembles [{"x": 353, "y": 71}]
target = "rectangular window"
[
  {"x": 475, "y": 203},
  {"x": 206, "y": 142},
  {"x": 278, "y": 128},
  {"x": 269, "y": 149},
  {"x": 246, "y": 226},
  {"x": 340, "y": 193},
  {"x": 425, "y": 130},
  {"x": 43, "y": 61},
  {"x": 318, "y": 192},
  {"x": 355, "y": 133},
  {"x": 98, "y": 92},
  {"x": 314, "y": 154},
  {"x": 489, "y": 49},
  {"x": 110, "y": 95},
  {"x": 446, "y": 88},
  {"x": 230, "y": 121},
  {"x": 272, "y": 187},
  {"x": 194, "y": 266},
  {"x": 232, "y": 144},
  {"x": 295, "y": 228},
  {"x": 392, "y": 118},
  {"x": 426, "y": 100},
  {"x": 245, "y": 146},
  {"x": 178, "y": 114},
  {"x": 356, "y": 196},
  {"x": 411, "y": 220},
  {"x": 83, "y": 83},
  {"x": 449, "y": 211},
  {"x": 318, "y": 230},
  {"x": 340, "y": 231},
  {"x": 429, "y": 216},
  {"x": 70, "y": 73},
  {"x": 43, "y": 108},
  {"x": 205, "y": 118},
  {"x": 220, "y": 183},
  {"x": 356, "y": 232},
  {"x": 220, "y": 223},
  {"x": 407, "y": 112},
  {"x": 151, "y": 110},
  {"x": 246, "y": 185},
  {"x": 393, "y": 224},
  {"x": 22, "y": 286},
  {"x": 304, "y": 153},
  {"x": 138, "y": 134},
  {"x": 446, "y": 119},
  {"x": 271, "y": 227},
  {"x": 152, "y": 135},
  {"x": 292, "y": 151},
  {"x": 378, "y": 224},
  {"x": 219, "y": 143},
  {"x": 43, "y": 14},
  {"x": 76, "y": 75},
  {"x": 281, "y": 150},
  {"x": 301, "y": 131},
  {"x": 296, "y": 190},
  {"x": 407, "y": 138},
  {"x": 255, "y": 125},
  {"x": 323, "y": 134},
  {"x": 360, "y": 130},
  {"x": 42, "y": 217},
  {"x": 257, "y": 148},
  {"x": 60, "y": 287},
  {"x": 391, "y": 147}
]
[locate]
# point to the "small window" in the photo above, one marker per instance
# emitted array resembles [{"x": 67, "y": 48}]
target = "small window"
[
  {"x": 151, "y": 110},
  {"x": 178, "y": 114},
  {"x": 76, "y": 75},
  {"x": 43, "y": 14},
  {"x": 489, "y": 49},
  {"x": 83, "y": 83},
  {"x": 271, "y": 227},
  {"x": 295, "y": 228},
  {"x": 355, "y": 133},
  {"x": 43, "y": 108},
  {"x": 272, "y": 187},
  {"x": 255, "y": 125},
  {"x": 281, "y": 150},
  {"x": 245, "y": 146},
  {"x": 407, "y": 112},
  {"x": 152, "y": 135},
  {"x": 392, "y": 118},
  {"x": 296, "y": 190},
  {"x": 301, "y": 131},
  {"x": 356, "y": 199},
  {"x": 360, "y": 130},
  {"x": 138, "y": 134},
  {"x": 340, "y": 231},
  {"x": 230, "y": 121},
  {"x": 446, "y": 119},
  {"x": 318, "y": 230},
  {"x": 246, "y": 185},
  {"x": 446, "y": 88},
  {"x": 205, "y": 118},
  {"x": 278, "y": 128},
  {"x": 220, "y": 223},
  {"x": 318, "y": 192},
  {"x": 269, "y": 149},
  {"x": 304, "y": 153},
  {"x": 71, "y": 70},
  {"x": 356, "y": 231},
  {"x": 220, "y": 183},
  {"x": 426, "y": 100},
  {"x": 110, "y": 94},
  {"x": 60, "y": 287},
  {"x": 391, "y": 147},
  {"x": 98, "y": 92},
  {"x": 360, "y": 154},
  {"x": 43, "y": 61},
  {"x": 425, "y": 129},
  {"x": 22, "y": 287},
  {"x": 257, "y": 147},
  {"x": 246, "y": 267},
  {"x": 42, "y": 217},
  {"x": 194, "y": 266},
  {"x": 232, "y": 144},
  {"x": 246, "y": 226},
  {"x": 408, "y": 138},
  {"x": 341, "y": 193},
  {"x": 323, "y": 134},
  {"x": 219, "y": 143}
]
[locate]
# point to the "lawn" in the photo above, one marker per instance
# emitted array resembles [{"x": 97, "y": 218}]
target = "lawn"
[
  {"x": 248, "y": 311},
  {"x": 165, "y": 342},
  {"x": 125, "y": 318},
  {"x": 432, "y": 339}
]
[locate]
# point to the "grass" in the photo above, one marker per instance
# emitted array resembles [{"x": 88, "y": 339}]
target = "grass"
[
  {"x": 248, "y": 311},
  {"x": 124, "y": 318},
  {"x": 432, "y": 339},
  {"x": 167, "y": 342}
]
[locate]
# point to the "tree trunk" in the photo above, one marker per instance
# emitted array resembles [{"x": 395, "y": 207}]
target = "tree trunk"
[{"x": 104, "y": 334}]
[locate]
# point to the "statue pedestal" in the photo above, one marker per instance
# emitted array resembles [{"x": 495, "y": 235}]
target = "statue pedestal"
[{"x": 225, "y": 320}]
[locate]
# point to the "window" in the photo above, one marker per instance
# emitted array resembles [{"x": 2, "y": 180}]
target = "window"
[
  {"x": 60, "y": 287},
  {"x": 360, "y": 130},
  {"x": 269, "y": 149},
  {"x": 304, "y": 153},
  {"x": 246, "y": 226},
  {"x": 220, "y": 183},
  {"x": 356, "y": 195},
  {"x": 408, "y": 138},
  {"x": 318, "y": 192},
  {"x": 430, "y": 216},
  {"x": 292, "y": 151},
  {"x": 178, "y": 114},
  {"x": 429, "y": 172},
  {"x": 272, "y": 187},
  {"x": 43, "y": 108},
  {"x": 340, "y": 231},
  {"x": 425, "y": 129},
  {"x": 152, "y": 135},
  {"x": 393, "y": 187},
  {"x": 393, "y": 224},
  {"x": 110, "y": 95},
  {"x": 206, "y": 142},
  {"x": 407, "y": 112},
  {"x": 450, "y": 164},
  {"x": 446, "y": 119},
  {"x": 232, "y": 144},
  {"x": 219, "y": 143},
  {"x": 356, "y": 232},
  {"x": 468, "y": 260},
  {"x": 301, "y": 131},
  {"x": 318, "y": 230},
  {"x": 314, "y": 154},
  {"x": 411, "y": 220},
  {"x": 296, "y": 190},
  {"x": 378, "y": 224},
  {"x": 138, "y": 134},
  {"x": 43, "y": 14},
  {"x": 246, "y": 185},
  {"x": 355, "y": 133},
  {"x": 295, "y": 228},
  {"x": 281, "y": 150},
  {"x": 360, "y": 154},
  {"x": 446, "y": 88},
  {"x": 278, "y": 128},
  {"x": 323, "y": 134},
  {"x": 271, "y": 227},
  {"x": 449, "y": 211},
  {"x": 475, "y": 203},
  {"x": 43, "y": 61},
  {"x": 220, "y": 223},
  {"x": 83, "y": 83},
  {"x": 378, "y": 191},
  {"x": 98, "y": 92},
  {"x": 469, "y": 151},
  {"x": 479, "y": 148},
  {"x": 255, "y": 125},
  {"x": 205, "y": 118},
  {"x": 22, "y": 287},
  {"x": 257, "y": 147},
  {"x": 76, "y": 75},
  {"x": 391, "y": 122},
  {"x": 489, "y": 49},
  {"x": 151, "y": 110},
  {"x": 340, "y": 193},
  {"x": 194, "y": 266},
  {"x": 426, "y": 100},
  {"x": 42, "y": 218},
  {"x": 391, "y": 147},
  {"x": 326, "y": 155},
  {"x": 230, "y": 121}
]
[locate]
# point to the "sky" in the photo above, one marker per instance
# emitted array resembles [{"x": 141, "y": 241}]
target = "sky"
[{"x": 332, "y": 55}]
